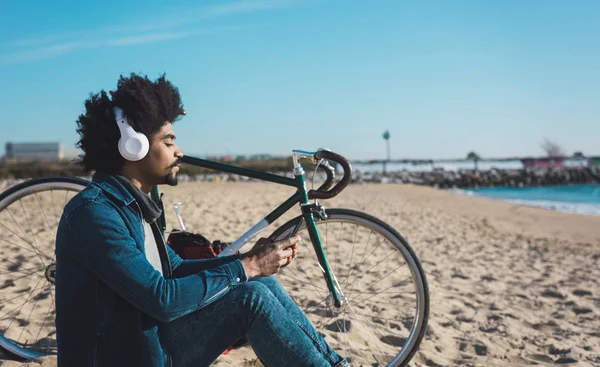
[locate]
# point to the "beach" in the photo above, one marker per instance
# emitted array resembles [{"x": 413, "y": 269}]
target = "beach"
[{"x": 510, "y": 285}]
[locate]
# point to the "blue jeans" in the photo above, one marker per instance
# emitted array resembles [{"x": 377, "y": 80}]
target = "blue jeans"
[{"x": 260, "y": 310}]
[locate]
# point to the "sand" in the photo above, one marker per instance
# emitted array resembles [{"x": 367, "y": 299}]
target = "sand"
[{"x": 509, "y": 285}]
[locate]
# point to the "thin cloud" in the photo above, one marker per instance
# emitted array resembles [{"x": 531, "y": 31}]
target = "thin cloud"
[
  {"x": 42, "y": 52},
  {"x": 68, "y": 47},
  {"x": 143, "y": 32},
  {"x": 146, "y": 38},
  {"x": 39, "y": 41},
  {"x": 167, "y": 36},
  {"x": 246, "y": 6}
]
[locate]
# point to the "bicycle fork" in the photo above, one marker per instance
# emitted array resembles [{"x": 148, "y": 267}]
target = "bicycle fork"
[{"x": 309, "y": 210}]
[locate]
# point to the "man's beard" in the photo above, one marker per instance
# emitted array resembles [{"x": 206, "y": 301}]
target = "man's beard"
[{"x": 171, "y": 179}]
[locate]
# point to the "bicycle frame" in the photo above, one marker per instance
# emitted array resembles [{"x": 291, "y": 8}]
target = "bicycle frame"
[{"x": 299, "y": 197}]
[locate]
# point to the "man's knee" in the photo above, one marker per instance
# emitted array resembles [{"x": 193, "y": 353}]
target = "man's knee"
[
  {"x": 254, "y": 292},
  {"x": 271, "y": 282}
]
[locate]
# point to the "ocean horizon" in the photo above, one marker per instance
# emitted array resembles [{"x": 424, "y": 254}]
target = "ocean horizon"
[{"x": 580, "y": 199}]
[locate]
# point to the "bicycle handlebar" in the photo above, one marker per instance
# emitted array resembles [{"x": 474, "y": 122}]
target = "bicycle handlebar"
[
  {"x": 323, "y": 192},
  {"x": 330, "y": 175}
]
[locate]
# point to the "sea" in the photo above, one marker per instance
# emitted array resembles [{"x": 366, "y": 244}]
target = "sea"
[{"x": 581, "y": 199}]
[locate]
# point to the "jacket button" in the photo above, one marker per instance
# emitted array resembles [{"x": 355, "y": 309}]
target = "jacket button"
[{"x": 237, "y": 280}]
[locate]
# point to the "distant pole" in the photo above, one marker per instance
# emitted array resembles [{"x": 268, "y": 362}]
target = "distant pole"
[{"x": 386, "y": 137}]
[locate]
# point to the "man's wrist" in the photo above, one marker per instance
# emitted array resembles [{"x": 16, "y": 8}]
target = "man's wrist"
[{"x": 247, "y": 265}]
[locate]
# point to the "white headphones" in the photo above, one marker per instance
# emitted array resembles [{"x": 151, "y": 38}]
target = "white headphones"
[{"x": 133, "y": 146}]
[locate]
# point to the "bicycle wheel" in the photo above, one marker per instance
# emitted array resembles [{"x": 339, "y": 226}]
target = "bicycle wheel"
[
  {"x": 29, "y": 217},
  {"x": 386, "y": 299}
]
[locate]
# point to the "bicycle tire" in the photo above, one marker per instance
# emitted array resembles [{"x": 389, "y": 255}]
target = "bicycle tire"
[
  {"x": 419, "y": 327},
  {"x": 35, "y": 187}
]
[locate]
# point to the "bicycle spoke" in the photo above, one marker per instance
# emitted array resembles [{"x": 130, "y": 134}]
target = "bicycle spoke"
[
  {"x": 371, "y": 268},
  {"x": 54, "y": 209},
  {"x": 17, "y": 223},
  {"x": 25, "y": 276},
  {"x": 343, "y": 332},
  {"x": 29, "y": 317},
  {"x": 303, "y": 283},
  {"x": 20, "y": 307},
  {"x": 11, "y": 231},
  {"x": 47, "y": 222},
  {"x": 56, "y": 218},
  {"x": 323, "y": 318},
  {"x": 369, "y": 331},
  {"x": 360, "y": 267},
  {"x": 372, "y": 252},
  {"x": 52, "y": 296},
  {"x": 338, "y": 249},
  {"x": 53, "y": 309},
  {"x": 346, "y": 331},
  {"x": 31, "y": 230},
  {"x": 361, "y": 260},
  {"x": 307, "y": 276},
  {"x": 394, "y": 292},
  {"x": 397, "y": 306},
  {"x": 10, "y": 299},
  {"x": 318, "y": 293},
  {"x": 341, "y": 328},
  {"x": 307, "y": 310},
  {"x": 367, "y": 320},
  {"x": 44, "y": 214},
  {"x": 21, "y": 247},
  {"x": 19, "y": 271},
  {"x": 372, "y": 284},
  {"x": 37, "y": 337},
  {"x": 377, "y": 293},
  {"x": 351, "y": 256},
  {"x": 66, "y": 198},
  {"x": 15, "y": 264},
  {"x": 382, "y": 260},
  {"x": 377, "y": 330},
  {"x": 377, "y": 317}
]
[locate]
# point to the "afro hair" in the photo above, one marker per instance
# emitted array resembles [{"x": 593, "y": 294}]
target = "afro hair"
[{"x": 147, "y": 104}]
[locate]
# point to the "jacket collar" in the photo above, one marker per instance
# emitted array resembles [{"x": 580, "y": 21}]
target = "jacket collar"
[{"x": 111, "y": 185}]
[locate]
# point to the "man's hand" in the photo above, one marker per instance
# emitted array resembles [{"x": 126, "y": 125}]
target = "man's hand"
[{"x": 267, "y": 257}]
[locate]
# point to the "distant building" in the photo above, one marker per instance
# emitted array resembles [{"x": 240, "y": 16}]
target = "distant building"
[
  {"x": 575, "y": 162},
  {"x": 260, "y": 157},
  {"x": 34, "y": 151},
  {"x": 542, "y": 162}
]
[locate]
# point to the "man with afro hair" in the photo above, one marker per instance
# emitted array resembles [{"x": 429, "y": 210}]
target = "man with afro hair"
[{"x": 125, "y": 298}]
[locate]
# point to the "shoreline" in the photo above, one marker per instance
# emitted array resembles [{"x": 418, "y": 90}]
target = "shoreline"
[
  {"x": 588, "y": 209},
  {"x": 582, "y": 208}
]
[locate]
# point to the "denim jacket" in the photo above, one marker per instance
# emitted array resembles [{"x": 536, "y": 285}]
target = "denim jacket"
[{"x": 110, "y": 301}]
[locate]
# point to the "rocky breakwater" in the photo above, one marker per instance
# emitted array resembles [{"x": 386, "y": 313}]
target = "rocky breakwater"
[
  {"x": 488, "y": 178},
  {"x": 438, "y": 178}
]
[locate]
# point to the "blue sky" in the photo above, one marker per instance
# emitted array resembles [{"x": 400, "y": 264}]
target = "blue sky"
[{"x": 269, "y": 76}]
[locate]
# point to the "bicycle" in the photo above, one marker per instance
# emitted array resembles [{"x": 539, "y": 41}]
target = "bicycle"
[{"x": 357, "y": 306}]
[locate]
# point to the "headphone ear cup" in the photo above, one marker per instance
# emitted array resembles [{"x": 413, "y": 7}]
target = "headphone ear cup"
[{"x": 134, "y": 148}]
